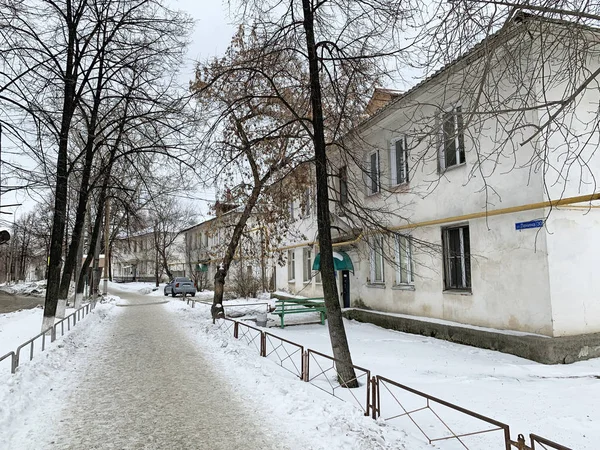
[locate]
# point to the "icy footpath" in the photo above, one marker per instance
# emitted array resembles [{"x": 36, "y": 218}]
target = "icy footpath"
[
  {"x": 158, "y": 376},
  {"x": 309, "y": 417},
  {"x": 140, "y": 383}
]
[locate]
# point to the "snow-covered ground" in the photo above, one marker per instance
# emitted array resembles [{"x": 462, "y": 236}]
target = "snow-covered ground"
[
  {"x": 311, "y": 418},
  {"x": 55, "y": 368},
  {"x": 559, "y": 402},
  {"x": 18, "y": 327},
  {"x": 39, "y": 396}
]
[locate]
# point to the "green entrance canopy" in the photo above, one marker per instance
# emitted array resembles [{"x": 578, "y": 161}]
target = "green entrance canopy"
[
  {"x": 341, "y": 261},
  {"x": 201, "y": 267}
]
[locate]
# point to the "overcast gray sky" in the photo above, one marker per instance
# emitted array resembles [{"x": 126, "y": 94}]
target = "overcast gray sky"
[{"x": 212, "y": 32}]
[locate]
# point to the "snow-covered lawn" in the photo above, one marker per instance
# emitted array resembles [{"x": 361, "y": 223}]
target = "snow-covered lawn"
[
  {"x": 17, "y": 328},
  {"x": 559, "y": 402}
]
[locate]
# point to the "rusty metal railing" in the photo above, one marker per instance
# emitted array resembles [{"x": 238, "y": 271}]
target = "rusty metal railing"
[
  {"x": 286, "y": 354},
  {"x": 429, "y": 414},
  {"x": 328, "y": 379},
  {"x": 252, "y": 336},
  {"x": 226, "y": 326},
  {"x": 75, "y": 316},
  {"x": 320, "y": 370},
  {"x": 545, "y": 444}
]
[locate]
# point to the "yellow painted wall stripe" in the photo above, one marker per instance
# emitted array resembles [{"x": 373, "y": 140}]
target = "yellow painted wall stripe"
[{"x": 478, "y": 215}]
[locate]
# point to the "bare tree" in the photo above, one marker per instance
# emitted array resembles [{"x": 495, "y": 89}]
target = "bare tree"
[
  {"x": 339, "y": 46},
  {"x": 168, "y": 218},
  {"x": 102, "y": 45},
  {"x": 252, "y": 134}
]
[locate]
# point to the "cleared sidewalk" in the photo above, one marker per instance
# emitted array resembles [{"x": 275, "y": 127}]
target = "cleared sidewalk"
[{"x": 149, "y": 387}]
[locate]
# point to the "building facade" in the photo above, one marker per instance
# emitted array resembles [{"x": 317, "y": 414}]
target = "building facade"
[
  {"x": 451, "y": 206},
  {"x": 206, "y": 243},
  {"x": 135, "y": 258}
]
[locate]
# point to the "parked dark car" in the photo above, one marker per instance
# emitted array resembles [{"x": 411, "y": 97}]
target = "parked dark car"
[{"x": 180, "y": 285}]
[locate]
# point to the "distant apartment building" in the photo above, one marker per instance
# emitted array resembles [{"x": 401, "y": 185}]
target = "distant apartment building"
[
  {"x": 135, "y": 258},
  {"x": 206, "y": 242}
]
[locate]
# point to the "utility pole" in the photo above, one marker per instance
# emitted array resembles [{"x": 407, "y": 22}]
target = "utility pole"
[{"x": 106, "y": 244}]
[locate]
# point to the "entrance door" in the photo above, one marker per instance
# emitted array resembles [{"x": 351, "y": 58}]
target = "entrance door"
[{"x": 346, "y": 288}]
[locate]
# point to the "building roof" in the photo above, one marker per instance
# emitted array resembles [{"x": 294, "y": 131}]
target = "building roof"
[{"x": 510, "y": 28}]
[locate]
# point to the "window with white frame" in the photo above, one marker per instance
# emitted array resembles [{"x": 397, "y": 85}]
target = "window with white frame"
[
  {"x": 404, "y": 261},
  {"x": 452, "y": 145},
  {"x": 373, "y": 178},
  {"x": 291, "y": 265},
  {"x": 307, "y": 265},
  {"x": 376, "y": 260},
  {"x": 457, "y": 257},
  {"x": 399, "y": 161}
]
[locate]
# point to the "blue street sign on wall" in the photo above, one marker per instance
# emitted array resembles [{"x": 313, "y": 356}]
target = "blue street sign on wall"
[{"x": 531, "y": 224}]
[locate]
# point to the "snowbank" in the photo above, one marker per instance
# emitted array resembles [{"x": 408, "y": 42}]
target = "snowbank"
[
  {"x": 57, "y": 368},
  {"x": 35, "y": 288}
]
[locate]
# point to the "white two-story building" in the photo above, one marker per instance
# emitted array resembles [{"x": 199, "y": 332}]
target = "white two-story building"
[
  {"x": 472, "y": 196},
  {"x": 136, "y": 258},
  {"x": 206, "y": 242}
]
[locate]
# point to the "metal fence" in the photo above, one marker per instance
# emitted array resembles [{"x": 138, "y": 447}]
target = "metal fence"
[
  {"x": 325, "y": 376},
  {"x": 38, "y": 343},
  {"x": 442, "y": 423},
  {"x": 286, "y": 354},
  {"x": 226, "y": 326},
  {"x": 252, "y": 336},
  {"x": 538, "y": 442},
  {"x": 438, "y": 420},
  {"x": 13, "y": 361}
]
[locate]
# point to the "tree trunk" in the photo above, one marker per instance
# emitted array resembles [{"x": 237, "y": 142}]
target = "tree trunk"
[
  {"x": 217, "y": 307},
  {"x": 337, "y": 332},
  {"x": 165, "y": 264},
  {"x": 96, "y": 271},
  {"x": 156, "y": 267},
  {"x": 71, "y": 258},
  {"x": 79, "y": 295},
  {"x": 60, "y": 195},
  {"x": 95, "y": 235}
]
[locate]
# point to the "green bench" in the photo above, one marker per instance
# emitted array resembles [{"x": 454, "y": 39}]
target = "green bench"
[{"x": 300, "y": 305}]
